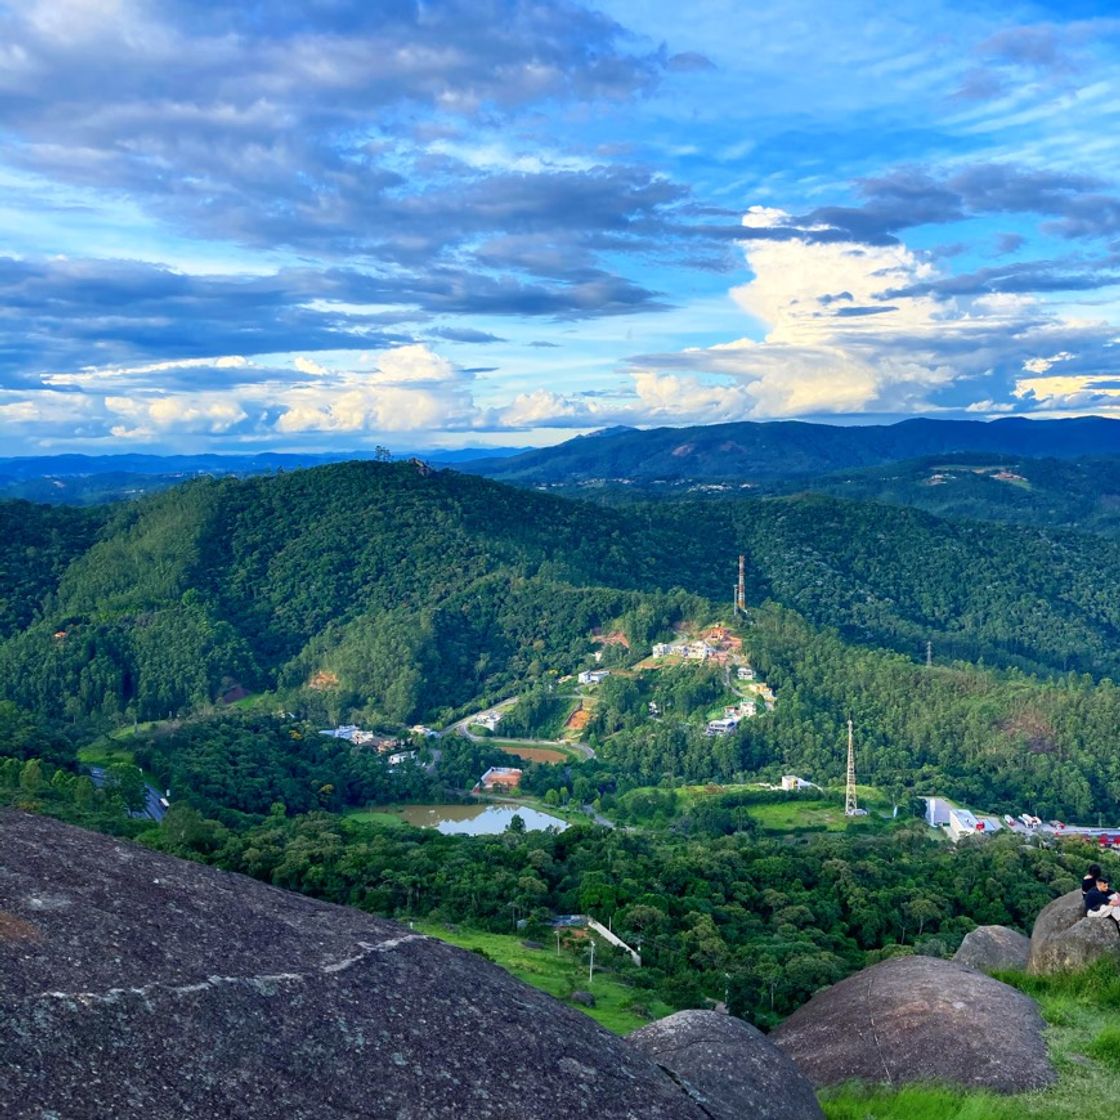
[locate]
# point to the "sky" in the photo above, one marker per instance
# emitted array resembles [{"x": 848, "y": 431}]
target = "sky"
[{"x": 333, "y": 224}]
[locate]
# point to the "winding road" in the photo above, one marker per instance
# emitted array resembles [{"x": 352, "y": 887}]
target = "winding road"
[{"x": 462, "y": 727}]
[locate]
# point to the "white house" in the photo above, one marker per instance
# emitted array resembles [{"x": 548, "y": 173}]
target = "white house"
[
  {"x": 593, "y": 676},
  {"x": 722, "y": 726},
  {"x": 745, "y": 673},
  {"x": 792, "y": 781},
  {"x": 401, "y": 756}
]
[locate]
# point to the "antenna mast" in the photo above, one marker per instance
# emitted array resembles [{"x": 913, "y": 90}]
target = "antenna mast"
[
  {"x": 741, "y": 588},
  {"x": 851, "y": 808}
]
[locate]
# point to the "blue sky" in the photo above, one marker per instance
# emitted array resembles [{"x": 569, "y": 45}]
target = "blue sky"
[{"x": 330, "y": 224}]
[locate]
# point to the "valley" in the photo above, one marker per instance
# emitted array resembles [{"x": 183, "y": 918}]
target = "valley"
[{"x": 479, "y": 709}]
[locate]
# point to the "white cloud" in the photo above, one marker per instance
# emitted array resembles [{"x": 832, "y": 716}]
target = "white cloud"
[
  {"x": 412, "y": 389},
  {"x": 212, "y": 413}
]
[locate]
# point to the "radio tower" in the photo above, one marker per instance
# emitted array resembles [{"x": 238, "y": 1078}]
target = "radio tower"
[
  {"x": 851, "y": 807},
  {"x": 741, "y": 587}
]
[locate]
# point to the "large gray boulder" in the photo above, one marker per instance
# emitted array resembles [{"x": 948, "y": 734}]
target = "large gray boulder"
[
  {"x": 915, "y": 1019},
  {"x": 1064, "y": 938},
  {"x": 135, "y": 985},
  {"x": 988, "y": 948},
  {"x": 729, "y": 1067}
]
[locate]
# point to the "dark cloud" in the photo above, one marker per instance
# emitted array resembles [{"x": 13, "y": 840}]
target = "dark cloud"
[
  {"x": 465, "y": 334},
  {"x": 858, "y": 312},
  {"x": 281, "y": 124},
  {"x": 1028, "y": 276},
  {"x": 542, "y": 345},
  {"x": 1072, "y": 204},
  {"x": 63, "y": 314},
  {"x": 1009, "y": 242},
  {"x": 689, "y": 62}
]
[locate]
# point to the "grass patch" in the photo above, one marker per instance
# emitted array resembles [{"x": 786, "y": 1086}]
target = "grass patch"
[
  {"x": 1083, "y": 1038},
  {"x": 105, "y": 753},
  {"x": 1106, "y": 1048},
  {"x": 618, "y": 1007},
  {"x": 793, "y": 816},
  {"x": 373, "y": 816}
]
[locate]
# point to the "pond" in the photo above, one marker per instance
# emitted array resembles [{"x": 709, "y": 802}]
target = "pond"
[{"x": 475, "y": 820}]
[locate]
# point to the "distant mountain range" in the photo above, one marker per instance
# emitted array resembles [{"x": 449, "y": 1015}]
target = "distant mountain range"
[
  {"x": 769, "y": 452},
  {"x": 94, "y": 479}
]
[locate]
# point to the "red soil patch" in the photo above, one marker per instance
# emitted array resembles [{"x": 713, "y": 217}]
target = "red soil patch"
[{"x": 578, "y": 720}]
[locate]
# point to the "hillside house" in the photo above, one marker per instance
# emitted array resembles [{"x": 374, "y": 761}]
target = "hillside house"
[
  {"x": 424, "y": 732},
  {"x": 793, "y": 782},
  {"x": 593, "y": 676},
  {"x": 489, "y": 720},
  {"x": 722, "y": 726},
  {"x": 401, "y": 756},
  {"x": 745, "y": 673}
]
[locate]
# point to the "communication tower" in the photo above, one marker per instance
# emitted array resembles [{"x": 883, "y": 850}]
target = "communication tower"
[
  {"x": 741, "y": 587},
  {"x": 851, "y": 806}
]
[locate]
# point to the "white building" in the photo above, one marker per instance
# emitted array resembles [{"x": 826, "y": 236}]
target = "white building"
[
  {"x": 745, "y": 673},
  {"x": 964, "y": 823},
  {"x": 593, "y": 676},
  {"x": 722, "y": 726},
  {"x": 792, "y": 781}
]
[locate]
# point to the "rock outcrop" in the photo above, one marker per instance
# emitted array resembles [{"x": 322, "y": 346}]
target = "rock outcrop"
[
  {"x": 916, "y": 1019},
  {"x": 1064, "y": 938},
  {"x": 135, "y": 985},
  {"x": 728, "y": 1067},
  {"x": 988, "y": 948}
]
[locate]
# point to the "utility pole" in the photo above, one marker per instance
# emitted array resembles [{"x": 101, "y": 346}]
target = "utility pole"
[
  {"x": 741, "y": 589},
  {"x": 851, "y": 807},
  {"x": 591, "y": 966},
  {"x": 929, "y": 655}
]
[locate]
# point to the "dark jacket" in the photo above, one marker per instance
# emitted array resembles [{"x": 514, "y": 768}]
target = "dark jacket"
[{"x": 1095, "y": 899}]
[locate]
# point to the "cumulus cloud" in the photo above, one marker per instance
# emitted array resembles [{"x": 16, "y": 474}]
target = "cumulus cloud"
[
  {"x": 411, "y": 389},
  {"x": 850, "y": 327}
]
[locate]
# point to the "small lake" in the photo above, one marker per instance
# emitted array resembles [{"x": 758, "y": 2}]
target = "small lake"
[{"x": 476, "y": 820}]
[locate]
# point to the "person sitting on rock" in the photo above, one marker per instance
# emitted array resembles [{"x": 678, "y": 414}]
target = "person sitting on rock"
[
  {"x": 1089, "y": 881},
  {"x": 1101, "y": 902}
]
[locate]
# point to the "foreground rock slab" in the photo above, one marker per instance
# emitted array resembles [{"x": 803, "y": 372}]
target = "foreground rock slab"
[
  {"x": 917, "y": 1019},
  {"x": 988, "y": 948},
  {"x": 728, "y": 1067},
  {"x": 1064, "y": 938},
  {"x": 138, "y": 985}
]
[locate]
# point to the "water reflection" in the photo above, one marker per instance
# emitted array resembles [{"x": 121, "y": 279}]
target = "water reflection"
[{"x": 476, "y": 820}]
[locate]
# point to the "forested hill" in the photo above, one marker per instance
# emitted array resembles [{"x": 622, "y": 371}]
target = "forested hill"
[
  {"x": 410, "y": 593},
  {"x": 1076, "y": 494},
  {"x": 762, "y": 452}
]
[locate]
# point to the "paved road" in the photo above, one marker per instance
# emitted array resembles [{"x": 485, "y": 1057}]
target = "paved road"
[
  {"x": 463, "y": 728},
  {"x": 154, "y": 807}
]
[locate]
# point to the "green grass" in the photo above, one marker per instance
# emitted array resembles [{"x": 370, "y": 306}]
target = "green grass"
[
  {"x": 373, "y": 816},
  {"x": 104, "y": 753},
  {"x": 618, "y": 1007},
  {"x": 1081, "y": 1011}
]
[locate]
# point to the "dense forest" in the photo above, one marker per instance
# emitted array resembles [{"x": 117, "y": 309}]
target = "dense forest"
[
  {"x": 762, "y": 923},
  {"x": 383, "y": 593},
  {"x": 408, "y": 594}
]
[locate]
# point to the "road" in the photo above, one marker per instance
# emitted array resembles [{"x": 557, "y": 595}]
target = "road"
[
  {"x": 153, "y": 808},
  {"x": 463, "y": 728}
]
